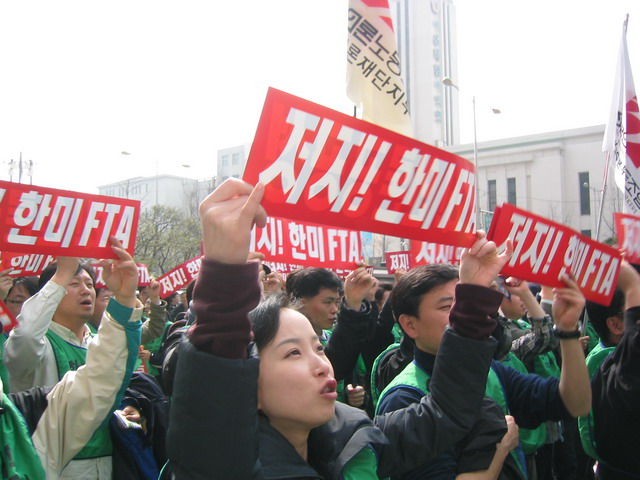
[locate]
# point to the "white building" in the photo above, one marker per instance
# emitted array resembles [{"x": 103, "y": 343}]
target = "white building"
[
  {"x": 557, "y": 175},
  {"x": 172, "y": 191},
  {"x": 231, "y": 161}
]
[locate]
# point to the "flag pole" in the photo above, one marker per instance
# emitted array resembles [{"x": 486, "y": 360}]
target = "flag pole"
[{"x": 602, "y": 195}]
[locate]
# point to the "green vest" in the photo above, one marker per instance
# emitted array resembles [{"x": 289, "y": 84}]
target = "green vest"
[
  {"x": 4, "y": 374},
  {"x": 531, "y": 439},
  {"x": 18, "y": 457},
  {"x": 71, "y": 357},
  {"x": 586, "y": 423},
  {"x": 416, "y": 378},
  {"x": 375, "y": 393}
]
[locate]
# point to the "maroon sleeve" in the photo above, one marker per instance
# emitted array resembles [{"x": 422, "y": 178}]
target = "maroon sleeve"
[
  {"x": 471, "y": 313},
  {"x": 222, "y": 299}
]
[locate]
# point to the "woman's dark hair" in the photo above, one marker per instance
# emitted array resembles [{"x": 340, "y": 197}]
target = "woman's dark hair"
[
  {"x": 30, "y": 283},
  {"x": 265, "y": 318}
]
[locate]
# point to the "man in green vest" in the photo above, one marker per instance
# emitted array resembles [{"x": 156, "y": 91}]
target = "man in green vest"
[
  {"x": 63, "y": 418},
  {"x": 421, "y": 302},
  {"x": 611, "y": 432},
  {"x": 51, "y": 339}
]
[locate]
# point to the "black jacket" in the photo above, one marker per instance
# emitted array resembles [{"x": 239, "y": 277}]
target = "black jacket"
[{"x": 216, "y": 431}]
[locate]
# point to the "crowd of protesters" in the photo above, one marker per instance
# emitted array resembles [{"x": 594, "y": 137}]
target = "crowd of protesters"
[{"x": 449, "y": 372}]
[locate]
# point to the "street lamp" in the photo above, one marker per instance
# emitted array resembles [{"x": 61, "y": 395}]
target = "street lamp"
[{"x": 447, "y": 82}]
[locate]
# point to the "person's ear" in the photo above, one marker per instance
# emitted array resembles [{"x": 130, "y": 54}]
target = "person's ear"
[
  {"x": 615, "y": 325},
  {"x": 408, "y": 324}
]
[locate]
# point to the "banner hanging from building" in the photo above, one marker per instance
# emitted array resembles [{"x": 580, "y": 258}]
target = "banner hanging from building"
[
  {"x": 628, "y": 235},
  {"x": 622, "y": 133},
  {"x": 374, "y": 76},
  {"x": 290, "y": 244},
  {"x": 543, "y": 250},
  {"x": 321, "y": 164},
  {"x": 44, "y": 220}
]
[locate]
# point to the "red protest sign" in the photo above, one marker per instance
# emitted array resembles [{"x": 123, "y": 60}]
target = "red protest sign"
[
  {"x": 425, "y": 253},
  {"x": 628, "y": 234},
  {"x": 59, "y": 222},
  {"x": 25, "y": 264},
  {"x": 396, "y": 260},
  {"x": 143, "y": 275},
  {"x": 543, "y": 250},
  {"x": 321, "y": 164},
  {"x": 296, "y": 243},
  {"x": 7, "y": 319},
  {"x": 179, "y": 277}
]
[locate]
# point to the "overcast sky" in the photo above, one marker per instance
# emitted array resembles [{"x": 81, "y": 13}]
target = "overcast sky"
[{"x": 173, "y": 82}]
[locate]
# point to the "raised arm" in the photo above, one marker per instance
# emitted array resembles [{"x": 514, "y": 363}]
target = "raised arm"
[
  {"x": 26, "y": 348},
  {"x": 575, "y": 388},
  {"x": 421, "y": 432},
  {"x": 81, "y": 401},
  {"x": 213, "y": 418}
]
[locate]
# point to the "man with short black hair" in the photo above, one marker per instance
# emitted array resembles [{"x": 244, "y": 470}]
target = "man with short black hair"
[{"x": 611, "y": 431}]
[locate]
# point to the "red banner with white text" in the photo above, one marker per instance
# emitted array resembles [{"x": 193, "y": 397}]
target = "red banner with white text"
[
  {"x": 543, "y": 250},
  {"x": 423, "y": 253},
  {"x": 25, "y": 264},
  {"x": 628, "y": 234},
  {"x": 179, "y": 277},
  {"x": 320, "y": 164},
  {"x": 291, "y": 244},
  {"x": 59, "y": 222},
  {"x": 7, "y": 319}
]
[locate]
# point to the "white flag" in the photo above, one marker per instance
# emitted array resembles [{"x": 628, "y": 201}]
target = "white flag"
[
  {"x": 374, "y": 77},
  {"x": 622, "y": 134}
]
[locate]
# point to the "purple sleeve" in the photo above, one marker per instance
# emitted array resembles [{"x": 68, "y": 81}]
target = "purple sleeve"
[
  {"x": 222, "y": 299},
  {"x": 471, "y": 313}
]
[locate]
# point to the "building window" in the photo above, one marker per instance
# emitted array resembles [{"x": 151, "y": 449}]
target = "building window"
[
  {"x": 492, "y": 197},
  {"x": 235, "y": 159},
  {"x": 511, "y": 191},
  {"x": 585, "y": 197},
  {"x": 586, "y": 233},
  {"x": 225, "y": 161}
]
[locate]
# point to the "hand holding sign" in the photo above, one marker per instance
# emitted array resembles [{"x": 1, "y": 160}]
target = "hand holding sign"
[
  {"x": 65, "y": 271},
  {"x": 5, "y": 283},
  {"x": 568, "y": 303},
  {"x": 357, "y": 286},
  {"x": 481, "y": 264},
  {"x": 227, "y": 216},
  {"x": 121, "y": 276}
]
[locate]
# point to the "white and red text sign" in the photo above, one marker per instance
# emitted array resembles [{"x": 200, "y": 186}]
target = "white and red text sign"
[
  {"x": 58, "y": 222},
  {"x": 628, "y": 233},
  {"x": 320, "y": 164},
  {"x": 179, "y": 277},
  {"x": 296, "y": 243},
  {"x": 543, "y": 250}
]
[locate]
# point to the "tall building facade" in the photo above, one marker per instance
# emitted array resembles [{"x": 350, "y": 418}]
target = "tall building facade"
[{"x": 426, "y": 32}]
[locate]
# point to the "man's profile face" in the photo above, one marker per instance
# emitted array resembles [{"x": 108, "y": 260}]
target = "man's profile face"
[
  {"x": 433, "y": 317},
  {"x": 322, "y": 309}
]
